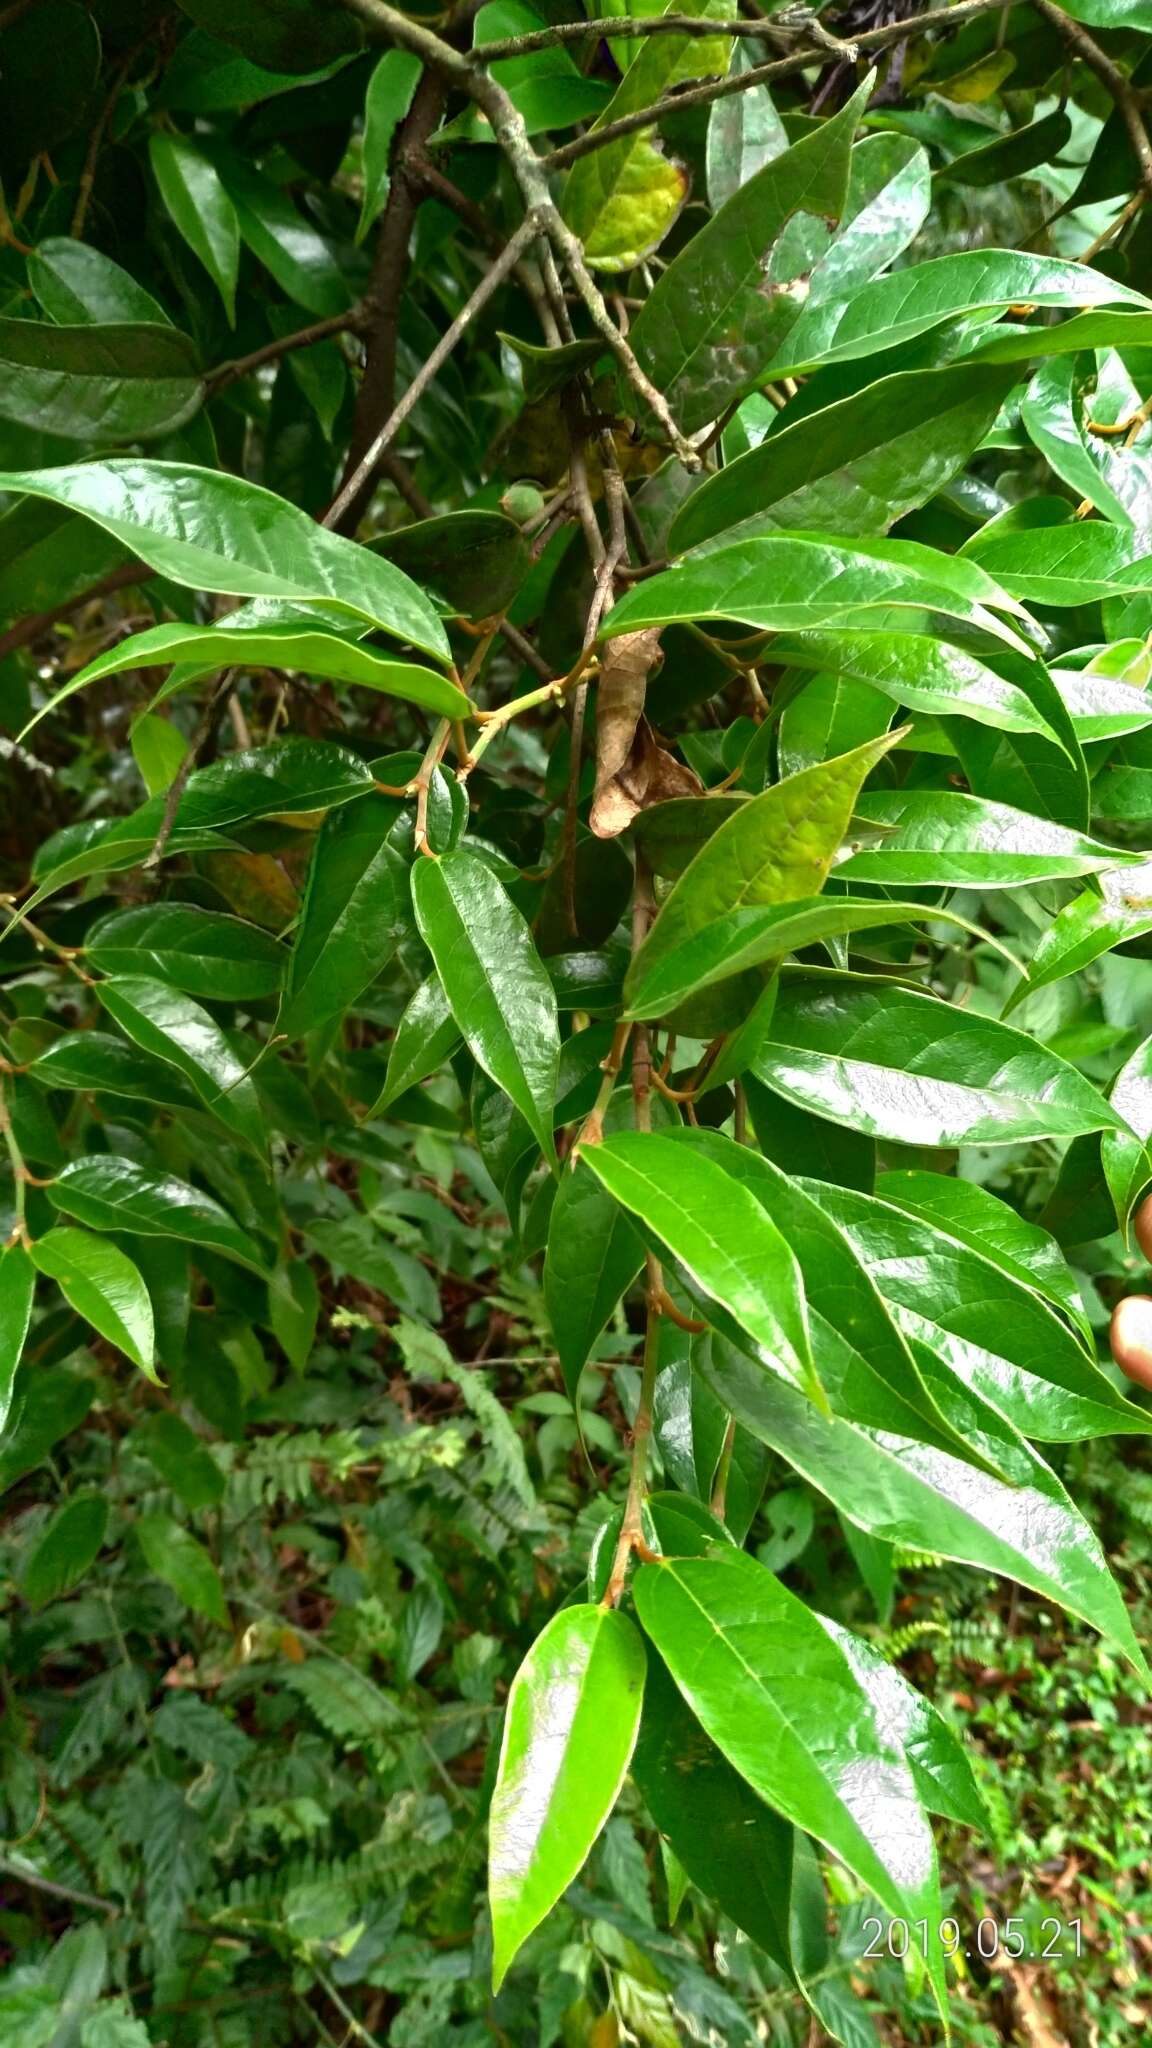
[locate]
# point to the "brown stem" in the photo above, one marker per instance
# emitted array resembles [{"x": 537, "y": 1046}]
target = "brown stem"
[
  {"x": 96, "y": 143},
  {"x": 385, "y": 296},
  {"x": 353, "y": 321},
  {"x": 27, "y": 630},
  {"x": 209, "y": 720},
  {"x": 1126, "y": 96},
  {"x": 361, "y": 477}
]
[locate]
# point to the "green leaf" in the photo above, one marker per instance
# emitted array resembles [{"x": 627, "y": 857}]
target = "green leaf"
[
  {"x": 732, "y": 1846},
  {"x": 65, "y": 1550},
  {"x": 174, "y": 1555},
  {"x": 789, "y": 583},
  {"x": 209, "y": 531},
  {"x": 116, "y": 1194},
  {"x": 742, "y": 939},
  {"x": 282, "y": 238},
  {"x": 926, "y": 839},
  {"x": 246, "y": 642},
  {"x": 202, "y": 952},
  {"x": 1010, "y": 156},
  {"x": 475, "y": 561},
  {"x": 1124, "y": 1154},
  {"x": 184, "y": 1463},
  {"x": 723, "y": 307},
  {"x": 905, "y": 1066},
  {"x": 776, "y": 849},
  {"x": 280, "y": 35},
  {"x": 622, "y": 199},
  {"x": 914, "y": 1495},
  {"x": 386, "y": 102},
  {"x": 172, "y": 1027},
  {"x": 940, "y": 1765},
  {"x": 496, "y": 985},
  {"x": 356, "y": 911},
  {"x": 1051, "y": 420},
  {"x": 117, "y": 382},
  {"x": 864, "y": 1364},
  {"x": 782, "y": 1703},
  {"x": 994, "y": 687},
  {"x": 744, "y": 132},
  {"x": 909, "y": 302},
  {"x": 1080, "y": 563},
  {"x": 424, "y": 1037},
  {"x": 294, "y": 1310},
  {"x": 573, "y": 1713},
  {"x": 998, "y": 1337},
  {"x": 47, "y": 1406},
  {"x": 722, "y": 1237},
  {"x": 106, "y": 1065},
  {"x": 593, "y": 1256},
  {"x": 1089, "y": 926},
  {"x": 79, "y": 286},
  {"x": 103, "y": 1286},
  {"x": 854, "y": 467},
  {"x": 199, "y": 208},
  {"x": 975, "y": 1217},
  {"x": 17, "y": 1287},
  {"x": 159, "y": 750}
]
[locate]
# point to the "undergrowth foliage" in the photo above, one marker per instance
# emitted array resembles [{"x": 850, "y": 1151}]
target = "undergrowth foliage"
[{"x": 575, "y": 1025}]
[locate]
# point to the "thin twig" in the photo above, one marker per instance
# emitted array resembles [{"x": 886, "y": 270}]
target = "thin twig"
[
  {"x": 351, "y": 322},
  {"x": 29, "y": 629},
  {"x": 491, "y": 281},
  {"x": 209, "y": 720},
  {"x": 96, "y": 143},
  {"x": 1115, "y": 81},
  {"x": 37, "y": 1883},
  {"x": 625, "y": 27}
]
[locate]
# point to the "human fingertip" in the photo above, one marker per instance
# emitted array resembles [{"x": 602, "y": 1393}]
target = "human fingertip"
[{"x": 1131, "y": 1337}]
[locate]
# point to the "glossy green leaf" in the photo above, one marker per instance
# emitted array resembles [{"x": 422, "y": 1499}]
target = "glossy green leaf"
[
  {"x": 744, "y": 133},
  {"x": 999, "y": 1338},
  {"x": 474, "y": 561},
  {"x": 202, "y": 952},
  {"x": 356, "y": 911},
  {"x": 106, "y": 1065},
  {"x": 1091, "y": 925},
  {"x": 721, "y": 1236},
  {"x": 80, "y": 286},
  {"x": 1051, "y": 418},
  {"x": 283, "y": 239},
  {"x": 981, "y": 1220},
  {"x": 386, "y": 102},
  {"x": 425, "y": 1035},
  {"x": 117, "y": 382},
  {"x": 742, "y": 939},
  {"x": 724, "y": 305},
  {"x": 906, "y": 1066},
  {"x": 731, "y": 1844},
  {"x": 1010, "y": 156},
  {"x": 172, "y": 1027},
  {"x": 781, "y": 1702},
  {"x": 919, "y": 838},
  {"x": 280, "y": 35},
  {"x": 914, "y": 1495},
  {"x": 103, "y": 1286},
  {"x": 671, "y": 834},
  {"x": 116, "y": 1194},
  {"x": 1080, "y": 563},
  {"x": 17, "y": 1287},
  {"x": 184, "y": 1463},
  {"x": 65, "y": 1550},
  {"x": 1124, "y": 1154},
  {"x": 199, "y": 208},
  {"x": 940, "y": 1766},
  {"x": 245, "y": 643},
  {"x": 854, "y": 467},
  {"x": 174, "y": 1555},
  {"x": 910, "y": 302},
  {"x": 995, "y": 687},
  {"x": 209, "y": 531},
  {"x": 776, "y": 849},
  {"x": 570, "y": 1728},
  {"x": 159, "y": 750},
  {"x": 788, "y": 583},
  {"x": 593, "y": 1256},
  {"x": 496, "y": 986},
  {"x": 866, "y": 1368}
]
